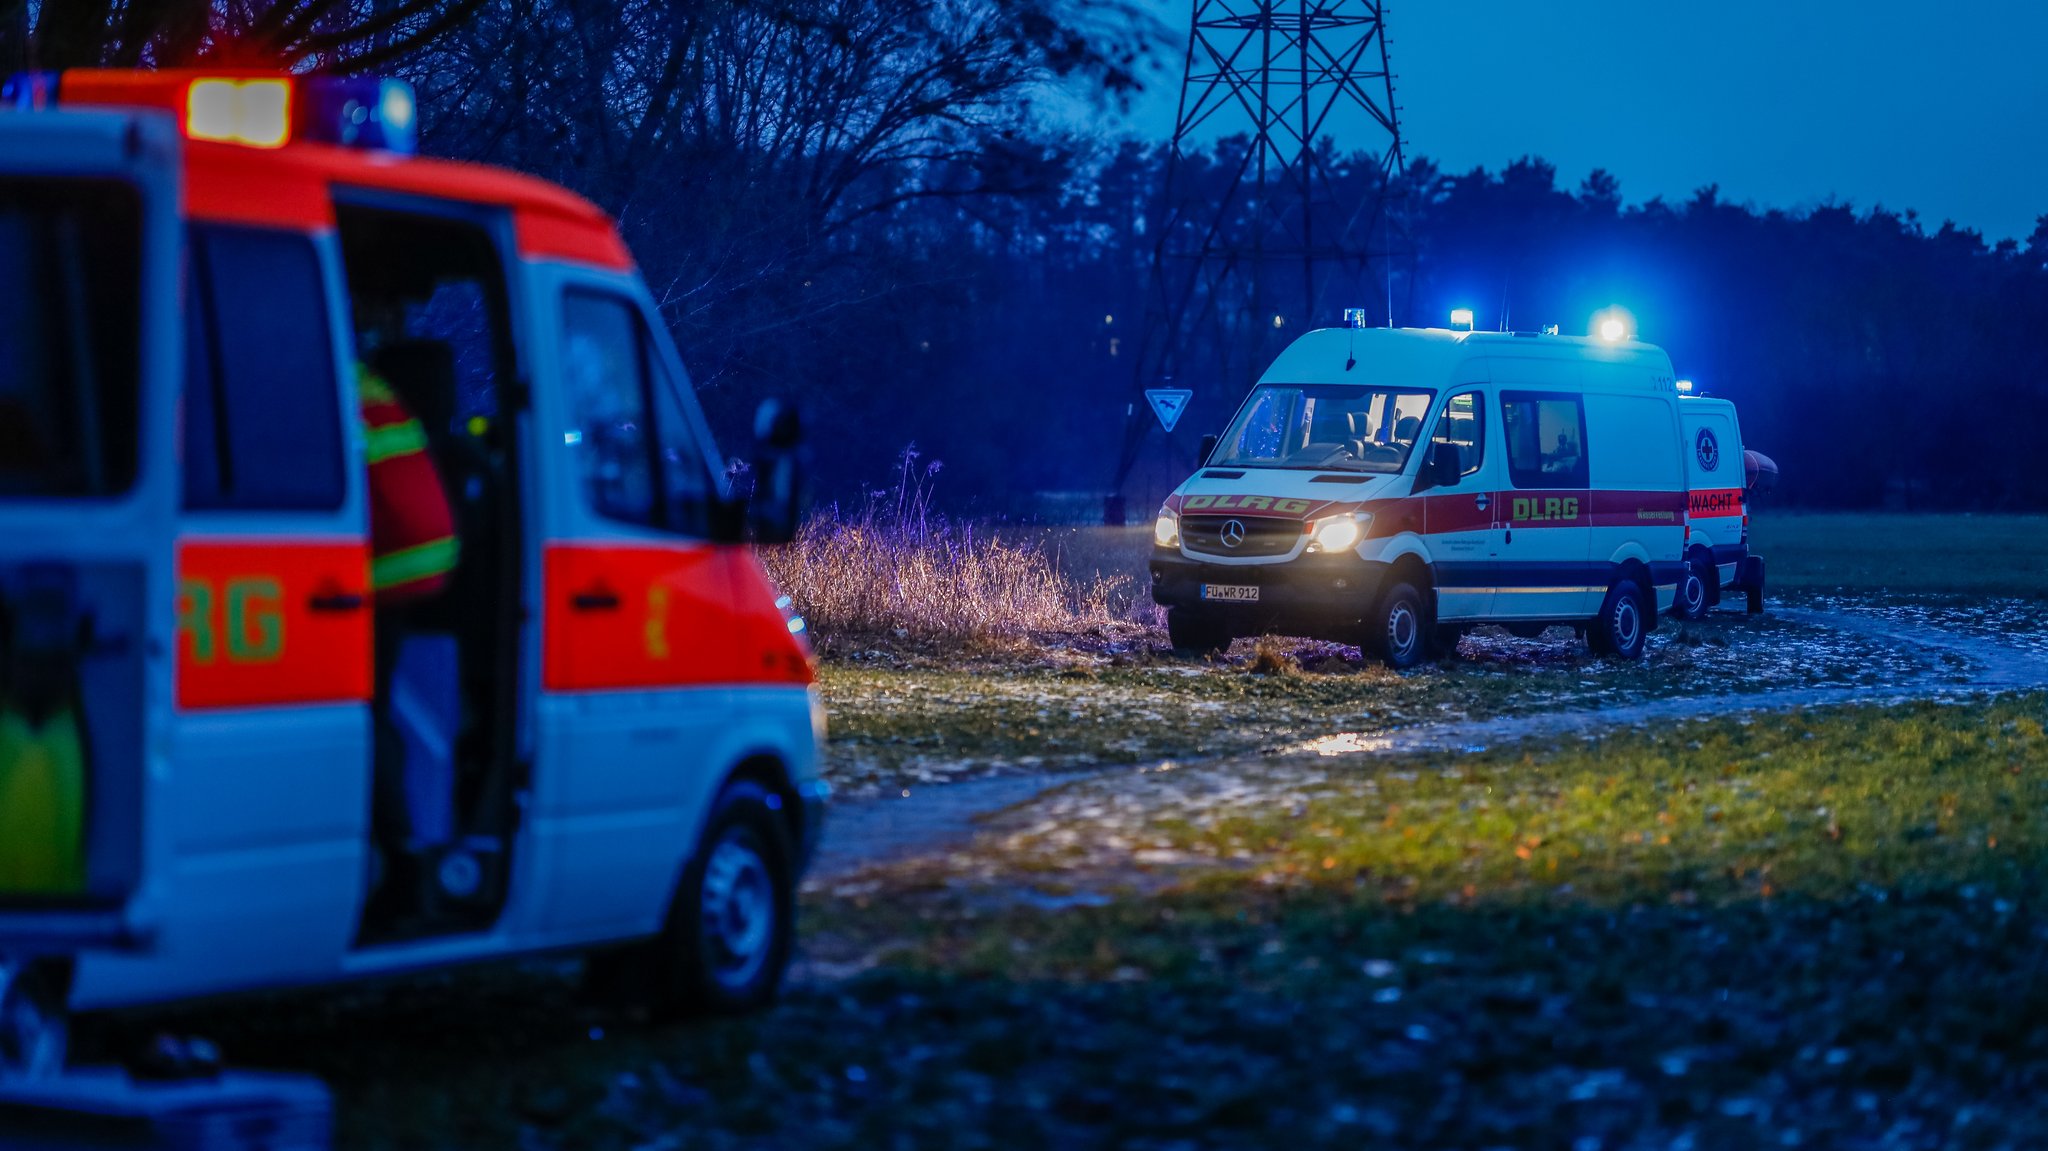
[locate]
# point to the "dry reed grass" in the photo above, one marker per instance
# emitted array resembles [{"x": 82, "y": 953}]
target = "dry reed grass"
[{"x": 895, "y": 569}]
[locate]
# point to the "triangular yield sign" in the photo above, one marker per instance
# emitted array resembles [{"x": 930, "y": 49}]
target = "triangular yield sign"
[{"x": 1168, "y": 404}]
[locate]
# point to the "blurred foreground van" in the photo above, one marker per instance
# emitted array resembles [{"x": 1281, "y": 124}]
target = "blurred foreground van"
[
  {"x": 1394, "y": 487},
  {"x": 602, "y": 735}
]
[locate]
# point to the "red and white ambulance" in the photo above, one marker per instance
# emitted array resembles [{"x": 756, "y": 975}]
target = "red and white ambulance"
[
  {"x": 1392, "y": 487},
  {"x": 605, "y": 735}
]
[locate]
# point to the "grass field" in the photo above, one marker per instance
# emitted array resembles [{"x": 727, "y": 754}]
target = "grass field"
[
  {"x": 918, "y": 713},
  {"x": 1818, "y": 928},
  {"x": 1824, "y": 930},
  {"x": 1902, "y": 554}
]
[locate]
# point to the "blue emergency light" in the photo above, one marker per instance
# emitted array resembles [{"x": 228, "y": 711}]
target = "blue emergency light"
[{"x": 359, "y": 113}]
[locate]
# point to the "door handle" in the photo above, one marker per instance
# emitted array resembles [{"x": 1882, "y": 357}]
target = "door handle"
[
  {"x": 1510, "y": 536},
  {"x": 335, "y": 601},
  {"x": 595, "y": 599}
]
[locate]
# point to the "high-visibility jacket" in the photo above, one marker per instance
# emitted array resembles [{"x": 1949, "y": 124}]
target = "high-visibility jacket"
[{"x": 413, "y": 543}]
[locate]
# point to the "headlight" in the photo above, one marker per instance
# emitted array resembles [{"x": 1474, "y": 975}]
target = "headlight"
[
  {"x": 1339, "y": 533},
  {"x": 1166, "y": 532}
]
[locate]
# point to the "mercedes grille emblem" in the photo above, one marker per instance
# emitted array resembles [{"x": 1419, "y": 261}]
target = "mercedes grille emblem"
[{"x": 1232, "y": 533}]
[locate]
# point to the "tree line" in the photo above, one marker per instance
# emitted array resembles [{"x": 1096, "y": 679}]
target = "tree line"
[{"x": 902, "y": 214}]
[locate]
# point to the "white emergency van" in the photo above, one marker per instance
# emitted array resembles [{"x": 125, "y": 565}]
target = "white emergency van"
[
  {"x": 604, "y": 737},
  {"x": 1392, "y": 488},
  {"x": 1717, "y": 556}
]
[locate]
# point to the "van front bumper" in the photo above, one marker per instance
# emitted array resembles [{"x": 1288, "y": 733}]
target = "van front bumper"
[{"x": 1307, "y": 595}]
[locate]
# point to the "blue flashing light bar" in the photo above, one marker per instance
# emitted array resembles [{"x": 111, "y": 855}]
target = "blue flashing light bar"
[{"x": 359, "y": 113}]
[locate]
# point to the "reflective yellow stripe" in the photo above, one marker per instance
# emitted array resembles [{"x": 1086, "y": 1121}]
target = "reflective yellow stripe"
[
  {"x": 419, "y": 562},
  {"x": 395, "y": 440},
  {"x": 371, "y": 387}
]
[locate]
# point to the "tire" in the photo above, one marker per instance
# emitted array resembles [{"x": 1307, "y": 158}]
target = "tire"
[
  {"x": 35, "y": 1035},
  {"x": 1398, "y": 630},
  {"x": 1622, "y": 629},
  {"x": 731, "y": 924},
  {"x": 1195, "y": 635},
  {"x": 1693, "y": 591},
  {"x": 1753, "y": 568}
]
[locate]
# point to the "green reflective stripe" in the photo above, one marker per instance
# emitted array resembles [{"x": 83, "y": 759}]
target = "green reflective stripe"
[
  {"x": 414, "y": 563},
  {"x": 396, "y": 440}
]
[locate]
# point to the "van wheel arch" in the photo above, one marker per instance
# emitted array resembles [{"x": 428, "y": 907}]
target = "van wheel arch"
[
  {"x": 661, "y": 972},
  {"x": 1406, "y": 576},
  {"x": 1637, "y": 570},
  {"x": 767, "y": 769},
  {"x": 1418, "y": 573}
]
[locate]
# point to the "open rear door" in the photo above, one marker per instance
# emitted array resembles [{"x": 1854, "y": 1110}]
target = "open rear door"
[{"x": 89, "y": 350}]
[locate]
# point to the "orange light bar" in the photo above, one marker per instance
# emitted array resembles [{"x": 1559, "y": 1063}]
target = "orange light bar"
[{"x": 255, "y": 111}]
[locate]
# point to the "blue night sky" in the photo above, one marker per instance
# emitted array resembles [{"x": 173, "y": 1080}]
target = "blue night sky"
[{"x": 1939, "y": 108}]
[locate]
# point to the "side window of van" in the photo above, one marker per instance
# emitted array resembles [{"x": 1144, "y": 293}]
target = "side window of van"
[
  {"x": 641, "y": 460},
  {"x": 1464, "y": 425},
  {"x": 1546, "y": 438},
  {"x": 262, "y": 419}
]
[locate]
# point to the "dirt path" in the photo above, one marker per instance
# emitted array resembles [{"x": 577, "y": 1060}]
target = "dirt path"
[{"x": 925, "y": 819}]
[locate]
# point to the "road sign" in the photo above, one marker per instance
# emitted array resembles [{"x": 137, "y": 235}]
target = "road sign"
[{"x": 1168, "y": 404}]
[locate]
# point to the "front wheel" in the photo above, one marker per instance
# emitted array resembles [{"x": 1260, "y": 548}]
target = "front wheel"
[
  {"x": 731, "y": 923},
  {"x": 1194, "y": 634},
  {"x": 1622, "y": 627},
  {"x": 1397, "y": 630}
]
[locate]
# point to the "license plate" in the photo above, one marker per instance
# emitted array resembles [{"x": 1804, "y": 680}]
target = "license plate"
[{"x": 1230, "y": 593}]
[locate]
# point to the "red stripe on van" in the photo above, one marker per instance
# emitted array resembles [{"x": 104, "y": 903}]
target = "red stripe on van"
[
  {"x": 621, "y": 616},
  {"x": 1611, "y": 509},
  {"x": 269, "y": 622}
]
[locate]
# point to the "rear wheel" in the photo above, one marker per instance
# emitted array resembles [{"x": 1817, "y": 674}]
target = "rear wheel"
[
  {"x": 1622, "y": 629},
  {"x": 35, "y": 1037},
  {"x": 1397, "y": 629},
  {"x": 1691, "y": 602},
  {"x": 1753, "y": 583},
  {"x": 1195, "y": 634}
]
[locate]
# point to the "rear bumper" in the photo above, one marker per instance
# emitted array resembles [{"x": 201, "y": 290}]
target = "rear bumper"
[{"x": 1308, "y": 595}]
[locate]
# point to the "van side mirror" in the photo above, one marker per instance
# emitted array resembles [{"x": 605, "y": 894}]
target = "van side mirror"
[
  {"x": 1444, "y": 467},
  {"x": 782, "y": 475},
  {"x": 1208, "y": 449}
]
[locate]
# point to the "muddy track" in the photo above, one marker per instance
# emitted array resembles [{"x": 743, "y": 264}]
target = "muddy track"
[{"x": 932, "y": 817}]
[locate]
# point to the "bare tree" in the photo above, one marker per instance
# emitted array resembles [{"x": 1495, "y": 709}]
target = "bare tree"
[{"x": 356, "y": 34}]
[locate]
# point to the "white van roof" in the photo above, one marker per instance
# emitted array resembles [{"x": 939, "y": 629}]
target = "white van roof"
[{"x": 1434, "y": 357}]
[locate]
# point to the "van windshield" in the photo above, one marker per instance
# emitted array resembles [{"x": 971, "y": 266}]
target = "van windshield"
[
  {"x": 1325, "y": 427},
  {"x": 70, "y": 254}
]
